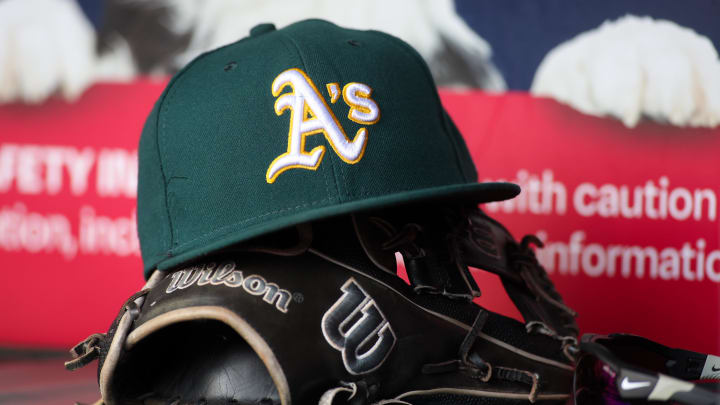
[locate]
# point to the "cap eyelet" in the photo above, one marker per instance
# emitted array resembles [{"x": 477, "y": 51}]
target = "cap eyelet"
[{"x": 230, "y": 66}]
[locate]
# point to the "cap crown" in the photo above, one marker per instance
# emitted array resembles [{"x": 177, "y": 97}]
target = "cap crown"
[{"x": 286, "y": 126}]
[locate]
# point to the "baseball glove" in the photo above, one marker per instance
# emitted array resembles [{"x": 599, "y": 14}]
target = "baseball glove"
[{"x": 317, "y": 314}]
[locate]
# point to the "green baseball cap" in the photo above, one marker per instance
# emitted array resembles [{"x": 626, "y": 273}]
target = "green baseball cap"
[{"x": 288, "y": 126}]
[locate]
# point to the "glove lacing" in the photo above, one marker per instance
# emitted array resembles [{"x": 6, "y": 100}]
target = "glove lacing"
[
  {"x": 468, "y": 362},
  {"x": 472, "y": 364},
  {"x": 93, "y": 346}
]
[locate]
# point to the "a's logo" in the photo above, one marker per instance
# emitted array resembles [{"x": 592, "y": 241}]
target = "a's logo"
[
  {"x": 310, "y": 114},
  {"x": 227, "y": 275},
  {"x": 355, "y": 326}
]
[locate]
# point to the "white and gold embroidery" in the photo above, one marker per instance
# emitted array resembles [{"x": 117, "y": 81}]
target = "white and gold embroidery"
[
  {"x": 310, "y": 114},
  {"x": 363, "y": 109},
  {"x": 334, "y": 92}
]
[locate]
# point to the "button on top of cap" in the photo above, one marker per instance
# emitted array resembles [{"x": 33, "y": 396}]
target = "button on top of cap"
[{"x": 261, "y": 29}]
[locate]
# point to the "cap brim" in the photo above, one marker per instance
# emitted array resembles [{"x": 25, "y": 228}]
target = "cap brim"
[{"x": 472, "y": 193}]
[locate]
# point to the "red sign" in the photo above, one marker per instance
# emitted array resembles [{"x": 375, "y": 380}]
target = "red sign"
[
  {"x": 68, "y": 244},
  {"x": 629, "y": 216}
]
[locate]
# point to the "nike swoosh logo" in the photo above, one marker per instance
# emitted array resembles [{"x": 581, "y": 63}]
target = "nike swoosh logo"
[
  {"x": 633, "y": 385},
  {"x": 715, "y": 368}
]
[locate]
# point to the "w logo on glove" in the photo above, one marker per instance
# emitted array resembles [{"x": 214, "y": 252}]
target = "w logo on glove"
[{"x": 355, "y": 326}]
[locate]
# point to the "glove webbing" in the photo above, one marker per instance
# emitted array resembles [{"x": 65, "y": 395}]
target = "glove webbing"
[
  {"x": 525, "y": 259},
  {"x": 455, "y": 282}
]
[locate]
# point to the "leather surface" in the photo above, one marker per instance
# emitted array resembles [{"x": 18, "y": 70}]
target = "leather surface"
[
  {"x": 195, "y": 361},
  {"x": 307, "y": 358}
]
